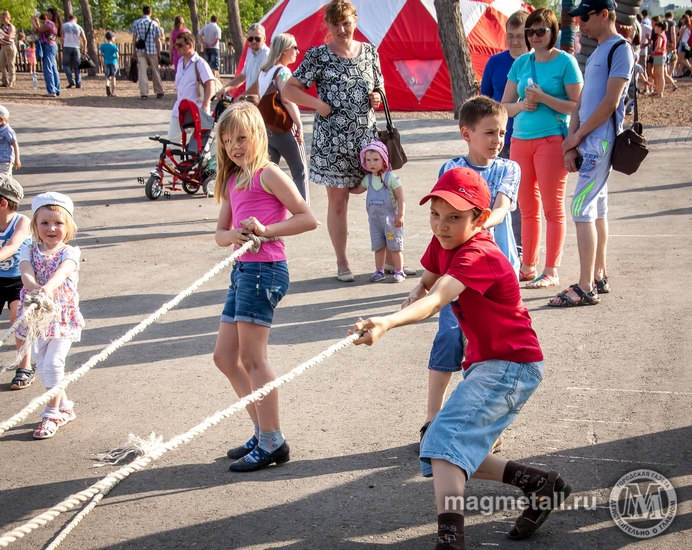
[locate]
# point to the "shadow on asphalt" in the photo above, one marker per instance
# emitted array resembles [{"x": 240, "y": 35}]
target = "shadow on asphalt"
[{"x": 382, "y": 501}]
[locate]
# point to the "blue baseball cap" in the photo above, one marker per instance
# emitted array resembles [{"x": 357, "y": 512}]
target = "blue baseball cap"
[{"x": 587, "y": 6}]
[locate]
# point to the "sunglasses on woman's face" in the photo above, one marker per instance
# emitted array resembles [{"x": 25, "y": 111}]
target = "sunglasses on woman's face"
[
  {"x": 254, "y": 39},
  {"x": 540, "y": 33},
  {"x": 585, "y": 17}
]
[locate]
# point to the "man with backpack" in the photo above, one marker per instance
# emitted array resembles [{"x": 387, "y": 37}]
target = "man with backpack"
[
  {"x": 146, "y": 49},
  {"x": 596, "y": 120}
]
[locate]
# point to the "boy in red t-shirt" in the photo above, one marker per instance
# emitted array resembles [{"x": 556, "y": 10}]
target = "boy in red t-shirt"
[{"x": 503, "y": 366}]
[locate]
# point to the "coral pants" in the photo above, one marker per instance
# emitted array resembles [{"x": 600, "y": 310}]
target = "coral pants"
[{"x": 543, "y": 182}]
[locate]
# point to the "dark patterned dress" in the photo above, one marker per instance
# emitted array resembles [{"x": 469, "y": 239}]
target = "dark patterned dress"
[{"x": 344, "y": 84}]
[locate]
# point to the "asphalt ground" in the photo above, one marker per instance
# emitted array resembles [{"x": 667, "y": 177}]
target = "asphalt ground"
[{"x": 615, "y": 397}]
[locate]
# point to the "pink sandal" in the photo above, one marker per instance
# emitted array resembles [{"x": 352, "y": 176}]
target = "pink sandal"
[
  {"x": 47, "y": 428},
  {"x": 528, "y": 276}
]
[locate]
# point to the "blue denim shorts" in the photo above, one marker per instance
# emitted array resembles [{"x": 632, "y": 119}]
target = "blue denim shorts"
[
  {"x": 483, "y": 404},
  {"x": 447, "y": 351},
  {"x": 211, "y": 55},
  {"x": 256, "y": 289}
]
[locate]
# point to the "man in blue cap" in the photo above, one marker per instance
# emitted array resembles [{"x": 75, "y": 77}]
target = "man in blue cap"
[{"x": 589, "y": 145}]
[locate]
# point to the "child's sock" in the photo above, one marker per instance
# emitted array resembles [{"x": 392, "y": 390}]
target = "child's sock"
[
  {"x": 526, "y": 478},
  {"x": 257, "y": 430},
  {"x": 270, "y": 441},
  {"x": 66, "y": 405},
  {"x": 450, "y": 532},
  {"x": 51, "y": 412}
]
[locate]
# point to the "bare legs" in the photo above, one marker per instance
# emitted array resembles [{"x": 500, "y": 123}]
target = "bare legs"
[
  {"x": 438, "y": 382},
  {"x": 337, "y": 225},
  {"x": 241, "y": 355}
]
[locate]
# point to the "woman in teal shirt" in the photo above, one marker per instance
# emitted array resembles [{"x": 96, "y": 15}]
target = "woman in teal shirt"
[{"x": 542, "y": 89}]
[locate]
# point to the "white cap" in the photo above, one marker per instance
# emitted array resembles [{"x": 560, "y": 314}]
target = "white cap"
[{"x": 52, "y": 198}]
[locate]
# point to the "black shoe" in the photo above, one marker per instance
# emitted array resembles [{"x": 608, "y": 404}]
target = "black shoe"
[
  {"x": 70, "y": 86},
  {"x": 78, "y": 86},
  {"x": 240, "y": 452},
  {"x": 159, "y": 96},
  {"x": 280, "y": 456},
  {"x": 57, "y": 93},
  {"x": 547, "y": 498},
  {"x": 108, "y": 90}
]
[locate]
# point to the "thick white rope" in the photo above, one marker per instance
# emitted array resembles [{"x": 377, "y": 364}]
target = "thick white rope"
[
  {"x": 252, "y": 245},
  {"x": 18, "y": 321},
  {"x": 107, "y": 483}
]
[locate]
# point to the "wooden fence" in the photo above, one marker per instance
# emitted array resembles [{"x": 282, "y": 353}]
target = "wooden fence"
[{"x": 227, "y": 61}]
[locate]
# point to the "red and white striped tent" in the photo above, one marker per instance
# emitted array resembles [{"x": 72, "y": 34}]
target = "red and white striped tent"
[{"x": 405, "y": 34}]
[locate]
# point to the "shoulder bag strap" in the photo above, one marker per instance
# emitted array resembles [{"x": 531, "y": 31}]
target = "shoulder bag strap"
[
  {"x": 387, "y": 113},
  {"x": 385, "y": 179},
  {"x": 148, "y": 29},
  {"x": 611, "y": 53},
  {"x": 278, "y": 91},
  {"x": 533, "y": 68}
]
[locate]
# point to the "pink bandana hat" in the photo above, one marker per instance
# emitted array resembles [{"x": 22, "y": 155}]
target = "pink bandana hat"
[{"x": 379, "y": 147}]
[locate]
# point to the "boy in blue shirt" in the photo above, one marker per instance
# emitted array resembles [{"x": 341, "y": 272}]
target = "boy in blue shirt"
[
  {"x": 110, "y": 53},
  {"x": 494, "y": 82},
  {"x": 482, "y": 123}
]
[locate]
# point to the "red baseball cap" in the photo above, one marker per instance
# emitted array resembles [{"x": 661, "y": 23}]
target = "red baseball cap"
[{"x": 463, "y": 188}]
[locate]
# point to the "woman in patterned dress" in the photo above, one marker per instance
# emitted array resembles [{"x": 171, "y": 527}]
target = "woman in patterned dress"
[{"x": 346, "y": 73}]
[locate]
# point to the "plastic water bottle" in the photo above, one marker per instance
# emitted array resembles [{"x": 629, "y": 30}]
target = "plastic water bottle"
[
  {"x": 529, "y": 83},
  {"x": 34, "y": 81}
]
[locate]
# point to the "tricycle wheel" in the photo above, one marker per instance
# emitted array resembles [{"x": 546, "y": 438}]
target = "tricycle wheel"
[
  {"x": 153, "y": 188},
  {"x": 190, "y": 188},
  {"x": 208, "y": 182}
]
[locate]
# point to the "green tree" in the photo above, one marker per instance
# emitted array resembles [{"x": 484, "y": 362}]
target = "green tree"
[{"x": 251, "y": 11}]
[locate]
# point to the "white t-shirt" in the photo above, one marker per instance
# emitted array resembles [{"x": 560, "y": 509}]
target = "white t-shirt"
[
  {"x": 186, "y": 80},
  {"x": 253, "y": 63},
  {"x": 71, "y": 33},
  {"x": 265, "y": 78},
  {"x": 210, "y": 32}
]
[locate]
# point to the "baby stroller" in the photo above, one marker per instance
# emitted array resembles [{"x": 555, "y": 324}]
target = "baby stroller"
[{"x": 191, "y": 163}]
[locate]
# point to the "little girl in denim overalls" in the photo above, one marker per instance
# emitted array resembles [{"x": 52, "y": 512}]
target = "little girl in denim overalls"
[{"x": 385, "y": 205}]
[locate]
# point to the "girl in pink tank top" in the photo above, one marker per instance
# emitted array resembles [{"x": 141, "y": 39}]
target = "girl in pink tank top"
[{"x": 255, "y": 197}]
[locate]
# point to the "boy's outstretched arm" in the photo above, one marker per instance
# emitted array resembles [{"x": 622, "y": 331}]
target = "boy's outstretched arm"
[
  {"x": 443, "y": 291},
  {"x": 499, "y": 211},
  {"x": 421, "y": 289}
]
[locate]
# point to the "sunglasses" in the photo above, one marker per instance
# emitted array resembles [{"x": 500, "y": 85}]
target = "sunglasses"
[
  {"x": 540, "y": 33},
  {"x": 585, "y": 17},
  {"x": 254, "y": 39},
  {"x": 180, "y": 44}
]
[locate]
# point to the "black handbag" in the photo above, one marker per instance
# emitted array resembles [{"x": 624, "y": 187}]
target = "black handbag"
[
  {"x": 630, "y": 146},
  {"x": 133, "y": 74},
  {"x": 391, "y": 138},
  {"x": 86, "y": 63}
]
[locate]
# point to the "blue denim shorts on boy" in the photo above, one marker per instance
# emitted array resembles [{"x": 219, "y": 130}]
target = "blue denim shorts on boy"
[
  {"x": 447, "y": 351},
  {"x": 211, "y": 56},
  {"x": 111, "y": 70},
  {"x": 590, "y": 199},
  {"x": 480, "y": 408},
  {"x": 10, "y": 288},
  {"x": 256, "y": 289}
]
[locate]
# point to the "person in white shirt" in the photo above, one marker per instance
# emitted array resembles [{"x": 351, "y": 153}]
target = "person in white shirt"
[
  {"x": 211, "y": 36},
  {"x": 256, "y": 57},
  {"x": 73, "y": 40},
  {"x": 189, "y": 65}
]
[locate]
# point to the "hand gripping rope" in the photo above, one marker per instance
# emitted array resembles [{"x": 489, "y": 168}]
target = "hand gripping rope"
[
  {"x": 252, "y": 245},
  {"x": 100, "y": 489}
]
